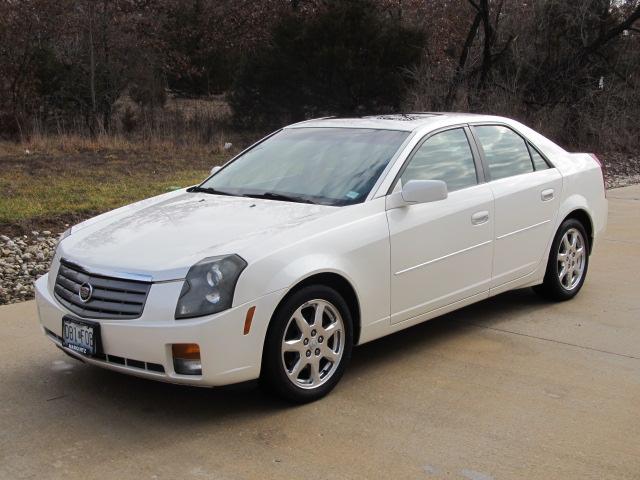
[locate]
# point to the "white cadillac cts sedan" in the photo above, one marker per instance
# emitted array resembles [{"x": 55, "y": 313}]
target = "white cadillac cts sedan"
[{"x": 326, "y": 234}]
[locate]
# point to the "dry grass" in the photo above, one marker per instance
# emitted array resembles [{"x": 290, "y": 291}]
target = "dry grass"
[
  {"x": 182, "y": 125},
  {"x": 70, "y": 143}
]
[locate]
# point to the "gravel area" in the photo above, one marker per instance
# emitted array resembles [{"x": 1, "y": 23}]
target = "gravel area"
[
  {"x": 22, "y": 260},
  {"x": 620, "y": 170}
]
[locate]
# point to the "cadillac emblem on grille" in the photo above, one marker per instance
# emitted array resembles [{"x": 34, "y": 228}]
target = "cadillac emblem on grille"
[{"x": 85, "y": 292}]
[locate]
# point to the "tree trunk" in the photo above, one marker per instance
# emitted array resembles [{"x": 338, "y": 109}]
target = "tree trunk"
[
  {"x": 489, "y": 36},
  {"x": 450, "y": 100},
  {"x": 92, "y": 71}
]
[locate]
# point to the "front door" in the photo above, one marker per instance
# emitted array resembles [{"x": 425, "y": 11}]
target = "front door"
[{"x": 441, "y": 252}]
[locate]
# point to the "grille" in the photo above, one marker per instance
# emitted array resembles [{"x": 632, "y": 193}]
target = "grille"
[{"x": 112, "y": 298}]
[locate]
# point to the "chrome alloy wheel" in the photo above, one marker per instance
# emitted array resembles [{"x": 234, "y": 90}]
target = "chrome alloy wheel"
[
  {"x": 571, "y": 259},
  {"x": 313, "y": 344}
]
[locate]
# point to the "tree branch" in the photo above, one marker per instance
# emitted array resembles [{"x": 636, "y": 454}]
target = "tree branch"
[{"x": 613, "y": 32}]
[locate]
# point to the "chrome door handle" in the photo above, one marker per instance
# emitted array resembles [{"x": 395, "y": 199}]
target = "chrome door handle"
[
  {"x": 547, "y": 195},
  {"x": 479, "y": 218}
]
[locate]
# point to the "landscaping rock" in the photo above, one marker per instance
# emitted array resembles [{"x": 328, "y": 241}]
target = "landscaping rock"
[{"x": 22, "y": 260}]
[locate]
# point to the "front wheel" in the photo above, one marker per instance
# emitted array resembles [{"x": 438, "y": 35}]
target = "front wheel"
[
  {"x": 567, "y": 264},
  {"x": 308, "y": 344}
]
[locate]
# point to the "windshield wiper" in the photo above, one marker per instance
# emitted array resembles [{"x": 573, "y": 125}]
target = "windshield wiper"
[
  {"x": 212, "y": 191},
  {"x": 267, "y": 195},
  {"x": 279, "y": 196}
]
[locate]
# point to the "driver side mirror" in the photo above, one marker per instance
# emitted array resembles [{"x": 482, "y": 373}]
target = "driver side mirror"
[
  {"x": 418, "y": 191},
  {"x": 215, "y": 169}
]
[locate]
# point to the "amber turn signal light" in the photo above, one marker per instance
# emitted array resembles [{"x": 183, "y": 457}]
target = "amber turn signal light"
[
  {"x": 186, "y": 351},
  {"x": 186, "y": 358},
  {"x": 248, "y": 319}
]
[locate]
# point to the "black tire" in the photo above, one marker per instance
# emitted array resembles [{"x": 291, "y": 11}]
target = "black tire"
[
  {"x": 552, "y": 288},
  {"x": 273, "y": 377}
]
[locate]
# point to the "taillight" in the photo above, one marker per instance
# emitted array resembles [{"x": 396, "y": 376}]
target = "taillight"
[{"x": 603, "y": 170}]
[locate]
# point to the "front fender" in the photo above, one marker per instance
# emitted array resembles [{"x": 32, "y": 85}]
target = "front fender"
[
  {"x": 305, "y": 267},
  {"x": 357, "y": 250}
]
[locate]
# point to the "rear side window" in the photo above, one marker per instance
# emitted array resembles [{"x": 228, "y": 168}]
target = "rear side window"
[
  {"x": 505, "y": 151},
  {"x": 539, "y": 163},
  {"x": 445, "y": 156}
]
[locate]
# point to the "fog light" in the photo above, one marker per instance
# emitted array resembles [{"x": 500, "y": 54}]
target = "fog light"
[{"x": 186, "y": 358}]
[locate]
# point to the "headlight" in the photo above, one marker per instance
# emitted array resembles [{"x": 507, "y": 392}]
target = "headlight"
[{"x": 209, "y": 286}]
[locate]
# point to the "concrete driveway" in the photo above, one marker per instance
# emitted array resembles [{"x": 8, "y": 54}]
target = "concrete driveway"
[{"x": 509, "y": 388}]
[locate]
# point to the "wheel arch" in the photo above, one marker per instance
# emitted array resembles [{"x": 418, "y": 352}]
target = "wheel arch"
[
  {"x": 581, "y": 215},
  {"x": 341, "y": 285}
]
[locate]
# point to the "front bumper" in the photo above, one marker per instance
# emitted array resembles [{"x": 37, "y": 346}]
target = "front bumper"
[{"x": 139, "y": 347}]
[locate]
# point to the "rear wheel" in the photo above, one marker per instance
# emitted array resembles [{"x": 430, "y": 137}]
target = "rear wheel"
[
  {"x": 308, "y": 345},
  {"x": 568, "y": 262}
]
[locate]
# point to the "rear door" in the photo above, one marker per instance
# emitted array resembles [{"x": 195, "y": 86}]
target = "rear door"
[
  {"x": 526, "y": 190},
  {"x": 441, "y": 251}
]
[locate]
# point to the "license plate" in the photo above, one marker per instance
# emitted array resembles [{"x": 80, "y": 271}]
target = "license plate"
[{"x": 80, "y": 336}]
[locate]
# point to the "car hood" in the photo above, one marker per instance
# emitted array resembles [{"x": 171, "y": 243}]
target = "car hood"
[{"x": 163, "y": 236}]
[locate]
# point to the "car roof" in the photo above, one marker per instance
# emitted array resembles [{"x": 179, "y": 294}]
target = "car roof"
[
  {"x": 408, "y": 122},
  {"x": 424, "y": 122}
]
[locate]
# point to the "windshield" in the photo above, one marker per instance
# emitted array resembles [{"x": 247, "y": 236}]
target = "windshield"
[{"x": 330, "y": 166}]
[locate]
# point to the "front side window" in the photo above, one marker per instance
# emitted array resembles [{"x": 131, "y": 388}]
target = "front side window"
[
  {"x": 505, "y": 151},
  {"x": 445, "y": 156},
  {"x": 330, "y": 166}
]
